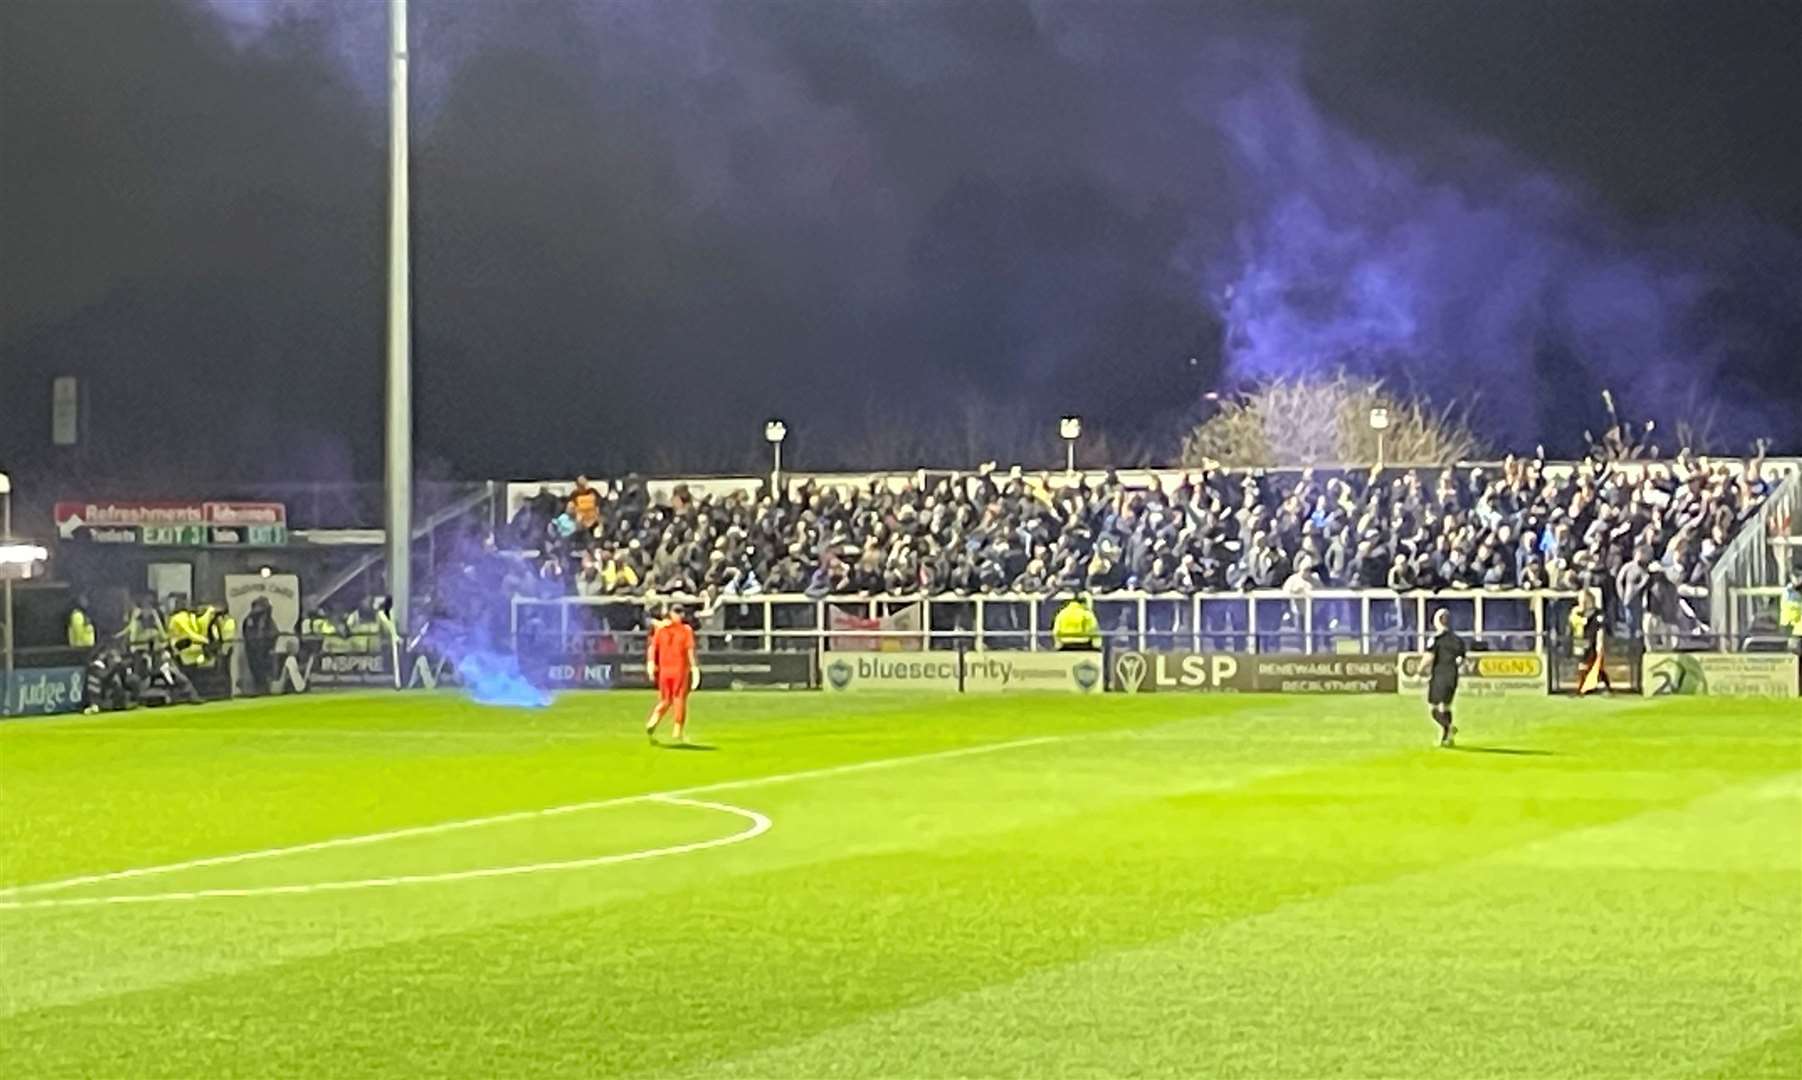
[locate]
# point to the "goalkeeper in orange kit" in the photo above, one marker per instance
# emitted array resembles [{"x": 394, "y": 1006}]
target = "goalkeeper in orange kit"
[{"x": 669, "y": 663}]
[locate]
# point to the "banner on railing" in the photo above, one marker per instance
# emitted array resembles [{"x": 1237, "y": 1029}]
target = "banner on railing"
[
  {"x": 897, "y": 631},
  {"x": 1485, "y": 674},
  {"x": 1245, "y": 673},
  {"x": 1720, "y": 674}
]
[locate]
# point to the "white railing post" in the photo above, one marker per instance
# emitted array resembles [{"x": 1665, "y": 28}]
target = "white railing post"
[
  {"x": 1195, "y": 622},
  {"x": 1364, "y": 624},
  {"x": 1141, "y": 622}
]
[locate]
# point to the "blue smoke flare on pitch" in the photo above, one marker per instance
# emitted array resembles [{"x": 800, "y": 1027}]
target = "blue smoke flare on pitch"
[
  {"x": 493, "y": 678},
  {"x": 468, "y": 625}
]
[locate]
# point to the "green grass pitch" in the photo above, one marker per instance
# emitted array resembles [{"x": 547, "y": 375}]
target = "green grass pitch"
[{"x": 907, "y": 887}]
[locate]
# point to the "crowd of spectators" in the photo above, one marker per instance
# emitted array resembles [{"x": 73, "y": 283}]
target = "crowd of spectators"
[{"x": 1633, "y": 534}]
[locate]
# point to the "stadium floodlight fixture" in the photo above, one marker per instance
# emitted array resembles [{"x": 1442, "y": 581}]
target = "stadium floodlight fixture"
[
  {"x": 21, "y": 557},
  {"x": 6, "y": 484},
  {"x": 775, "y": 431},
  {"x": 1379, "y": 423},
  {"x": 1070, "y": 427}
]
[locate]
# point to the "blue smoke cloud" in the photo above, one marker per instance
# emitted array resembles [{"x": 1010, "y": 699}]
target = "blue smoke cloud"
[
  {"x": 832, "y": 143},
  {"x": 494, "y": 678},
  {"x": 1466, "y": 275},
  {"x": 469, "y": 623}
]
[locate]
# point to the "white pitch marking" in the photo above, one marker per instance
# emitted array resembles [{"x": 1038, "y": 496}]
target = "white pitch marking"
[
  {"x": 759, "y": 825},
  {"x": 315, "y": 733},
  {"x": 516, "y": 815}
]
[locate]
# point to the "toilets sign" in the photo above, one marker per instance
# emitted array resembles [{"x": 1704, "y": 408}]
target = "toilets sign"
[{"x": 173, "y": 524}]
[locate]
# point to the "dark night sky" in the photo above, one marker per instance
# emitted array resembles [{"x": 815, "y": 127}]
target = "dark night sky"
[{"x": 909, "y": 228}]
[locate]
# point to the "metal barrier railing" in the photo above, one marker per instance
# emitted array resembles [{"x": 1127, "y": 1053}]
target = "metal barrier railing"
[
  {"x": 1322, "y": 621},
  {"x": 1755, "y": 559}
]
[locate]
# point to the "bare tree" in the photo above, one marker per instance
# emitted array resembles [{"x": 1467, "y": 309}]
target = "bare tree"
[{"x": 1325, "y": 420}]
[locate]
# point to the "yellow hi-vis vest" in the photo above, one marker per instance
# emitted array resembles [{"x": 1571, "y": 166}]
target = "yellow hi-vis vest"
[
  {"x": 188, "y": 637},
  {"x": 1790, "y": 614},
  {"x": 144, "y": 631},
  {"x": 331, "y": 639},
  {"x": 1075, "y": 625},
  {"x": 222, "y": 633},
  {"x": 81, "y": 630},
  {"x": 364, "y": 634}
]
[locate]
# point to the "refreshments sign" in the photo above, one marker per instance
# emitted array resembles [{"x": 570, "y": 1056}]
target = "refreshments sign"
[{"x": 173, "y": 524}]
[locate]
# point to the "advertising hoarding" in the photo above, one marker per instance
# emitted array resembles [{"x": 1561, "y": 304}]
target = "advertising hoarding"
[
  {"x": 1014, "y": 672},
  {"x": 1244, "y": 673},
  {"x": 1720, "y": 674},
  {"x": 1485, "y": 674}
]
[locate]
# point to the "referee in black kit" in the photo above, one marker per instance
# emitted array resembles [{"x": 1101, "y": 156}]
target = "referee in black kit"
[{"x": 1447, "y": 651}]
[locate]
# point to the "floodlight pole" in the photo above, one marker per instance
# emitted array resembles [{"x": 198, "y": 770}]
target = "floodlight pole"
[
  {"x": 6, "y": 535},
  {"x": 400, "y": 346},
  {"x": 774, "y": 431}
]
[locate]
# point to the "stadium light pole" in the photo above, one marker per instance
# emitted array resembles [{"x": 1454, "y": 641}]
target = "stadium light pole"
[
  {"x": 774, "y": 431},
  {"x": 1070, "y": 427},
  {"x": 16, "y": 561},
  {"x": 1379, "y": 423},
  {"x": 6, "y": 539},
  {"x": 400, "y": 344}
]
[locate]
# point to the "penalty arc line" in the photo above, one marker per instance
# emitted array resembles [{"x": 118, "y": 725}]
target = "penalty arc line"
[
  {"x": 7, "y": 894},
  {"x": 760, "y": 824}
]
